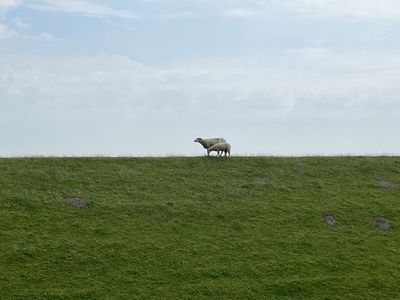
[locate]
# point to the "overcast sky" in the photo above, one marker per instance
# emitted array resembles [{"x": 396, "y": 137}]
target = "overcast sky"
[{"x": 146, "y": 77}]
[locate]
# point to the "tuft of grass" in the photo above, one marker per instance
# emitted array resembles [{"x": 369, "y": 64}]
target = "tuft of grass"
[{"x": 199, "y": 228}]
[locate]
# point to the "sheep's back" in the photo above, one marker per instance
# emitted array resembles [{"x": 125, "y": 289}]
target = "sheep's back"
[
  {"x": 221, "y": 146},
  {"x": 212, "y": 141}
]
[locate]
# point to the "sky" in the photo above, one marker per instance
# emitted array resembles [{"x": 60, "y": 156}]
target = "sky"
[{"x": 147, "y": 77}]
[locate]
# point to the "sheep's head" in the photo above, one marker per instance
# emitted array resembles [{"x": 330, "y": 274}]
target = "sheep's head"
[{"x": 198, "y": 140}]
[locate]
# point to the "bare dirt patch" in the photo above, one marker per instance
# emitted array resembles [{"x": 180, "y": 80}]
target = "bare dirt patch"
[
  {"x": 329, "y": 219},
  {"x": 382, "y": 224},
  {"x": 387, "y": 184},
  {"x": 76, "y": 202}
]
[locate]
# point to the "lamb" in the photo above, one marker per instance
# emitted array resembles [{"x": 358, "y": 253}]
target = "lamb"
[{"x": 223, "y": 147}]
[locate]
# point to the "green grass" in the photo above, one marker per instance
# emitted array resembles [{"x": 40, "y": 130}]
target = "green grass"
[{"x": 199, "y": 228}]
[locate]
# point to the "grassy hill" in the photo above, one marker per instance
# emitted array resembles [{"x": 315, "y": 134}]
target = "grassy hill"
[{"x": 199, "y": 228}]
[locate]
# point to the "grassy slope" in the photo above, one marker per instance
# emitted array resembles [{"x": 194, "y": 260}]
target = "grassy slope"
[{"x": 239, "y": 228}]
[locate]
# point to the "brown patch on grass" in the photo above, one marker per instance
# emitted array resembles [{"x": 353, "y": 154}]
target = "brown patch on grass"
[
  {"x": 76, "y": 202},
  {"x": 329, "y": 219},
  {"x": 382, "y": 224}
]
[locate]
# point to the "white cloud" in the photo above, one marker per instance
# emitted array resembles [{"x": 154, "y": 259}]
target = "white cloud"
[
  {"x": 303, "y": 101},
  {"x": 5, "y": 31},
  {"x": 43, "y": 37},
  {"x": 7, "y": 4},
  {"x": 17, "y": 22},
  {"x": 15, "y": 27},
  {"x": 241, "y": 13},
  {"x": 181, "y": 15},
  {"x": 83, "y": 7},
  {"x": 387, "y": 10}
]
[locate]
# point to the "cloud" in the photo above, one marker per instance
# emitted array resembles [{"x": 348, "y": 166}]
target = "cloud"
[
  {"x": 17, "y": 22},
  {"x": 7, "y": 4},
  {"x": 43, "y": 37},
  {"x": 5, "y": 31},
  {"x": 302, "y": 101},
  {"x": 15, "y": 27},
  {"x": 241, "y": 13},
  {"x": 386, "y": 10},
  {"x": 83, "y": 7},
  {"x": 181, "y": 15}
]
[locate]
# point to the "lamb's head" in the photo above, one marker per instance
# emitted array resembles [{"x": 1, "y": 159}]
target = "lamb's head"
[{"x": 198, "y": 140}]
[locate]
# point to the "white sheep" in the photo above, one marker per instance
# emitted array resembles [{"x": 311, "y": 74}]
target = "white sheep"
[
  {"x": 223, "y": 147},
  {"x": 207, "y": 143}
]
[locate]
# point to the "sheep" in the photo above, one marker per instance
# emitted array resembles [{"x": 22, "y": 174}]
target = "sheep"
[
  {"x": 207, "y": 143},
  {"x": 223, "y": 147}
]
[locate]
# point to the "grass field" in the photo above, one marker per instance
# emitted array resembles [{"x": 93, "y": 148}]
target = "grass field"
[{"x": 199, "y": 228}]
